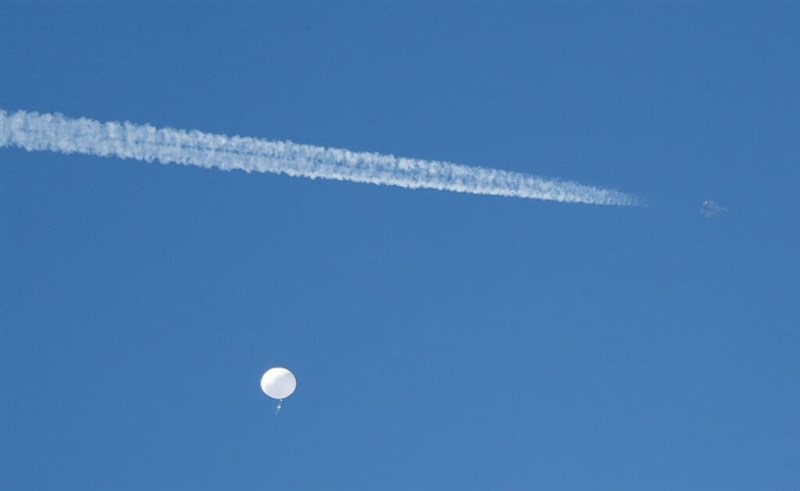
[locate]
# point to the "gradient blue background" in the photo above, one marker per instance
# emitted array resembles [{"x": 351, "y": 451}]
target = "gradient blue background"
[{"x": 440, "y": 341}]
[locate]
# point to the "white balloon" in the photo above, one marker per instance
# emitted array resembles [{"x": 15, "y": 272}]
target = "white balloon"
[{"x": 278, "y": 383}]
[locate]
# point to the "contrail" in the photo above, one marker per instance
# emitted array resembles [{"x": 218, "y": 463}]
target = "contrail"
[{"x": 57, "y": 133}]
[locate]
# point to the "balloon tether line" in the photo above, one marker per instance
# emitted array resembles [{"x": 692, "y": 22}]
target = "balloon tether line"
[{"x": 278, "y": 407}]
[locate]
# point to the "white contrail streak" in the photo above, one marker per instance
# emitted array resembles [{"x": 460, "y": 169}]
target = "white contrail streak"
[{"x": 57, "y": 133}]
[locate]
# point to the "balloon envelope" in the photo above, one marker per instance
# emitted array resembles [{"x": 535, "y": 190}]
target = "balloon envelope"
[{"x": 278, "y": 383}]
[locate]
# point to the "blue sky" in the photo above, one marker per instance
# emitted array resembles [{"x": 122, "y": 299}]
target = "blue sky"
[{"x": 440, "y": 340}]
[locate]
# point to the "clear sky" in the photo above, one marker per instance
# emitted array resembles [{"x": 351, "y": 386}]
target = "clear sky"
[{"x": 440, "y": 340}]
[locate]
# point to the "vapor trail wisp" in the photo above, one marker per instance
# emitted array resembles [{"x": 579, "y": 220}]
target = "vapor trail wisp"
[{"x": 57, "y": 133}]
